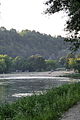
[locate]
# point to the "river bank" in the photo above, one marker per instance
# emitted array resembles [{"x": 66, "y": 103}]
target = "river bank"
[
  {"x": 72, "y": 75},
  {"x": 47, "y": 106},
  {"x": 44, "y": 106},
  {"x": 35, "y": 74}
]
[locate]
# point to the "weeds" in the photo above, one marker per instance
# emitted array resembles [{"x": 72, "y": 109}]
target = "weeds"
[{"x": 47, "y": 106}]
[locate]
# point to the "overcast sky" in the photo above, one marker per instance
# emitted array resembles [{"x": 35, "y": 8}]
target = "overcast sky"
[{"x": 28, "y": 14}]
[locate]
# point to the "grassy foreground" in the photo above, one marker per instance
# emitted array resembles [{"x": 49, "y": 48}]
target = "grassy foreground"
[{"x": 47, "y": 106}]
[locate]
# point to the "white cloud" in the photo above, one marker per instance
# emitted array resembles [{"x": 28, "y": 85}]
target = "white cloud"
[{"x": 27, "y": 14}]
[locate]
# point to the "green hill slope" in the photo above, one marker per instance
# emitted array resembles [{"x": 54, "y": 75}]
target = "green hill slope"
[{"x": 27, "y": 43}]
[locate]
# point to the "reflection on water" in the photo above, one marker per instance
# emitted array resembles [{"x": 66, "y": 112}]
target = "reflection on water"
[
  {"x": 2, "y": 93},
  {"x": 10, "y": 90}
]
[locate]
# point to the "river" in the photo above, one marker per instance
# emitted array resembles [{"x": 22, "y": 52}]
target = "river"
[{"x": 14, "y": 86}]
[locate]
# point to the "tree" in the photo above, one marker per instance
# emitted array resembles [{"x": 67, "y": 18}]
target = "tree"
[
  {"x": 24, "y": 32},
  {"x": 18, "y": 63},
  {"x": 78, "y": 55},
  {"x": 62, "y": 61},
  {"x": 77, "y": 66},
  {"x": 2, "y": 28},
  {"x": 70, "y": 55},
  {"x": 74, "y": 63},
  {"x": 72, "y": 8},
  {"x": 36, "y": 63},
  {"x": 7, "y": 60},
  {"x": 51, "y": 64},
  {"x": 71, "y": 63},
  {"x": 2, "y": 66}
]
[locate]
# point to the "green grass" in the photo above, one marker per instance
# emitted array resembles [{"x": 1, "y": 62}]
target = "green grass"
[{"x": 46, "y": 106}]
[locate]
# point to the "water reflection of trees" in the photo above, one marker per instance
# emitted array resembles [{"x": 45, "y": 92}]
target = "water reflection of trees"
[{"x": 2, "y": 93}]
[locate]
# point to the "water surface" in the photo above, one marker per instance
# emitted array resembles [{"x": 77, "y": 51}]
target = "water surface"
[{"x": 12, "y": 88}]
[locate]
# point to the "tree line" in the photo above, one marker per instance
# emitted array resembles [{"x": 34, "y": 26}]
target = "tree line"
[
  {"x": 71, "y": 62},
  {"x": 38, "y": 64},
  {"x": 21, "y": 64}
]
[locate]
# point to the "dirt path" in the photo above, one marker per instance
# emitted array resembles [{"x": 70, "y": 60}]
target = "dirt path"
[{"x": 73, "y": 113}]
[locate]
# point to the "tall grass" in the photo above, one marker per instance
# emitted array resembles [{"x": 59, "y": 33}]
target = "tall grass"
[{"x": 47, "y": 106}]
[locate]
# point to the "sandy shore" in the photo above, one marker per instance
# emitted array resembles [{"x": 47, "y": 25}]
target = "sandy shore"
[{"x": 36, "y": 74}]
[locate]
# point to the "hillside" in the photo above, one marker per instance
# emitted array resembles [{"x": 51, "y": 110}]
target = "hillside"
[{"x": 27, "y": 43}]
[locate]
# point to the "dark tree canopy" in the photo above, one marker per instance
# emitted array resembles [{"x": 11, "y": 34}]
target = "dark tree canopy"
[{"x": 72, "y": 7}]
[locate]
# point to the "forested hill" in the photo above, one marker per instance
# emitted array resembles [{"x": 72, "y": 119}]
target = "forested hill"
[{"x": 27, "y": 43}]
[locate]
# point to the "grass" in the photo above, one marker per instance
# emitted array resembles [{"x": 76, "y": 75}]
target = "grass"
[{"x": 47, "y": 106}]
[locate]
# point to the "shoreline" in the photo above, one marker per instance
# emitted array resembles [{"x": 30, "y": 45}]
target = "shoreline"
[
  {"x": 36, "y": 74},
  {"x": 61, "y": 98}
]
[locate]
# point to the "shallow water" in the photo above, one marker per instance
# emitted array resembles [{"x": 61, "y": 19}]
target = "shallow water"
[{"x": 13, "y": 88}]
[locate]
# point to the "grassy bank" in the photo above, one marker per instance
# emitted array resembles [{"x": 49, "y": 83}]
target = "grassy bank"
[
  {"x": 73, "y": 75},
  {"x": 47, "y": 106}
]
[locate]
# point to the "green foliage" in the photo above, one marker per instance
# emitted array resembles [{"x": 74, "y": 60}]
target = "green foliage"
[
  {"x": 24, "y": 32},
  {"x": 78, "y": 56},
  {"x": 71, "y": 63},
  {"x": 51, "y": 64},
  {"x": 67, "y": 61},
  {"x": 47, "y": 106},
  {"x": 70, "y": 55},
  {"x": 72, "y": 8},
  {"x": 18, "y": 63},
  {"x": 2, "y": 66},
  {"x": 62, "y": 61},
  {"x": 74, "y": 63},
  {"x": 21, "y": 64},
  {"x": 77, "y": 65},
  {"x": 5, "y": 63},
  {"x": 27, "y": 43},
  {"x": 36, "y": 63}
]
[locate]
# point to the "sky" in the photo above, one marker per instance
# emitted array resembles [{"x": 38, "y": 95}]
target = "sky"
[{"x": 28, "y": 14}]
